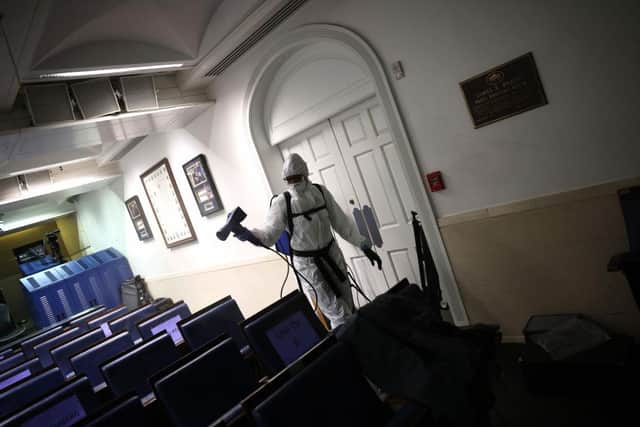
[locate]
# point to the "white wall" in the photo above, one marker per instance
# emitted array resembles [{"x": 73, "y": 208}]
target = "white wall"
[
  {"x": 101, "y": 218},
  {"x": 237, "y": 175},
  {"x": 587, "y": 56}
]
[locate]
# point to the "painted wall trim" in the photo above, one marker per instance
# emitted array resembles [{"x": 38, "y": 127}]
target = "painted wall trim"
[
  {"x": 274, "y": 54},
  {"x": 541, "y": 202}
]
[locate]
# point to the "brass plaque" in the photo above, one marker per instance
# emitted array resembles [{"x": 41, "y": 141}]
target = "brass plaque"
[{"x": 504, "y": 91}]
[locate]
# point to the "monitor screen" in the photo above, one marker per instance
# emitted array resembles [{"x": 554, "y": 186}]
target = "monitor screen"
[
  {"x": 292, "y": 337},
  {"x": 14, "y": 379},
  {"x": 171, "y": 326},
  {"x": 62, "y": 414}
]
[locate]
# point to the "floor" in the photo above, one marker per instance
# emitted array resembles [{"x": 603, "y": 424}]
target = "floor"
[{"x": 606, "y": 406}]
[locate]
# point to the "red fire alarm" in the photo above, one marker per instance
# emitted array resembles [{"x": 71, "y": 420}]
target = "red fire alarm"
[{"x": 435, "y": 181}]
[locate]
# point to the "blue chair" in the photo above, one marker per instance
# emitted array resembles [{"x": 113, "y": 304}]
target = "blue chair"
[
  {"x": 63, "y": 352},
  {"x": 103, "y": 319},
  {"x": 17, "y": 373},
  {"x": 128, "y": 411},
  {"x": 165, "y": 321},
  {"x": 28, "y": 343},
  {"x": 13, "y": 360},
  {"x": 28, "y": 390},
  {"x": 41, "y": 349},
  {"x": 129, "y": 321},
  {"x": 330, "y": 391},
  {"x": 132, "y": 370},
  {"x": 197, "y": 391},
  {"x": 69, "y": 404},
  {"x": 284, "y": 331},
  {"x": 81, "y": 321},
  {"x": 221, "y": 317},
  {"x": 88, "y": 361},
  {"x": 240, "y": 415}
]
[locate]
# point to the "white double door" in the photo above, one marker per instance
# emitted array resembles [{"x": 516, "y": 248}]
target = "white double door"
[{"x": 355, "y": 157}]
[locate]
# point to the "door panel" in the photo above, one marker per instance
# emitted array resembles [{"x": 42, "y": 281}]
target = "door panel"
[
  {"x": 376, "y": 174},
  {"x": 371, "y": 175},
  {"x": 371, "y": 282},
  {"x": 400, "y": 184},
  {"x": 403, "y": 265}
]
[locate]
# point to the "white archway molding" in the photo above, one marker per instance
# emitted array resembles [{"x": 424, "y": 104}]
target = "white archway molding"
[
  {"x": 277, "y": 53},
  {"x": 316, "y": 82}
]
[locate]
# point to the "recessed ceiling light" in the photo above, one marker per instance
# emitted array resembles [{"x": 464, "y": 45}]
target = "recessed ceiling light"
[{"x": 107, "y": 71}]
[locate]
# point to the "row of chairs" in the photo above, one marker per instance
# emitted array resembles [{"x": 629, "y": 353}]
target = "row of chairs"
[
  {"x": 47, "y": 359},
  {"x": 210, "y": 368}
]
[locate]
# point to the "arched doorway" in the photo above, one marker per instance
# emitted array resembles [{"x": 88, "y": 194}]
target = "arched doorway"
[{"x": 321, "y": 90}]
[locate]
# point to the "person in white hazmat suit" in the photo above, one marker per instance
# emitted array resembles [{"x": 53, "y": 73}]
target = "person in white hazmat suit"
[{"x": 316, "y": 255}]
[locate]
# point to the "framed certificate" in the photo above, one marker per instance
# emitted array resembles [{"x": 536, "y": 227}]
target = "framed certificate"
[
  {"x": 202, "y": 185},
  {"x": 138, "y": 218},
  {"x": 167, "y": 205}
]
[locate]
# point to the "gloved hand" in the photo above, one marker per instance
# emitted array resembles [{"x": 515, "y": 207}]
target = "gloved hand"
[
  {"x": 373, "y": 257},
  {"x": 243, "y": 234}
]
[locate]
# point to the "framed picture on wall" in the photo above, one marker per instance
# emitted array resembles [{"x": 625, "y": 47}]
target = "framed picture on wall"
[
  {"x": 138, "y": 218},
  {"x": 167, "y": 205},
  {"x": 202, "y": 185}
]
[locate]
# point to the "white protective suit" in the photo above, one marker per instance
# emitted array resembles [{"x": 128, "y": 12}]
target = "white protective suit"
[{"x": 312, "y": 235}]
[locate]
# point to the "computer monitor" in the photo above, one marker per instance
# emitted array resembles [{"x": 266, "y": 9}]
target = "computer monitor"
[
  {"x": 64, "y": 351},
  {"x": 165, "y": 321},
  {"x": 221, "y": 317},
  {"x": 131, "y": 371},
  {"x": 216, "y": 377},
  {"x": 28, "y": 343},
  {"x": 129, "y": 321},
  {"x": 65, "y": 406},
  {"x": 88, "y": 361},
  {"x": 103, "y": 319},
  {"x": 29, "y": 389},
  {"x": 12, "y": 360},
  {"x": 41, "y": 349},
  {"x": 284, "y": 331},
  {"x": 20, "y": 372}
]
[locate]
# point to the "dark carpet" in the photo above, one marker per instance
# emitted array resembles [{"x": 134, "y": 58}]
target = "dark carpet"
[{"x": 608, "y": 403}]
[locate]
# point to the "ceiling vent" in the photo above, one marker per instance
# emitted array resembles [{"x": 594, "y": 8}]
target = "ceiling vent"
[
  {"x": 48, "y": 103},
  {"x": 139, "y": 93},
  {"x": 278, "y": 17},
  {"x": 95, "y": 98}
]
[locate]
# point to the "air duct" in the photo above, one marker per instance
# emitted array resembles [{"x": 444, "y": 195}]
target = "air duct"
[{"x": 288, "y": 9}]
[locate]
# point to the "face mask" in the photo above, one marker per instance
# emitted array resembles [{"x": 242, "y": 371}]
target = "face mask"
[{"x": 298, "y": 186}]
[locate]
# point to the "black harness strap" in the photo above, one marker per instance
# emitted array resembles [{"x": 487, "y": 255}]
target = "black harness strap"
[
  {"x": 309, "y": 212},
  {"x": 287, "y": 199},
  {"x": 320, "y": 257}
]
